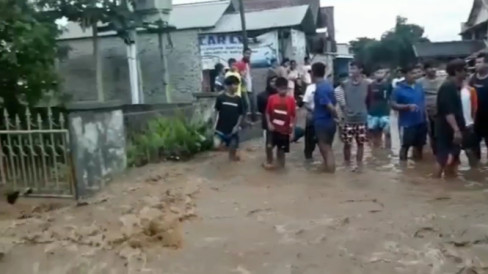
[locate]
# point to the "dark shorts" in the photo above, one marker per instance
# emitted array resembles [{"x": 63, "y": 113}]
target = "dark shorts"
[
  {"x": 355, "y": 132},
  {"x": 481, "y": 128},
  {"x": 230, "y": 140},
  {"x": 276, "y": 139},
  {"x": 298, "y": 134},
  {"x": 325, "y": 133},
  {"x": 414, "y": 136},
  {"x": 470, "y": 138},
  {"x": 431, "y": 121},
  {"x": 446, "y": 148}
]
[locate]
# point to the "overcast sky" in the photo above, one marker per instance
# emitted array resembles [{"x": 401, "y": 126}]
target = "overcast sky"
[
  {"x": 440, "y": 18},
  {"x": 371, "y": 18}
]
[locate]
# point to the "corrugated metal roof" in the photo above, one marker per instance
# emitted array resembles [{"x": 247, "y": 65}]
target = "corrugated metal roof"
[
  {"x": 185, "y": 16},
  {"x": 197, "y": 15},
  {"x": 266, "y": 19},
  {"x": 255, "y": 5},
  {"x": 448, "y": 49}
]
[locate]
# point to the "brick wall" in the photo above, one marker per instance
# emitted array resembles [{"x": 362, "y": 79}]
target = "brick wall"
[{"x": 183, "y": 59}]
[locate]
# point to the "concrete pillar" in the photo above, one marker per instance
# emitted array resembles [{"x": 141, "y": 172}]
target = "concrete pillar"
[{"x": 98, "y": 146}]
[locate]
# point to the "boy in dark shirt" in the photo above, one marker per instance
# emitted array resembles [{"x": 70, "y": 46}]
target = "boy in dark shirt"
[
  {"x": 229, "y": 116},
  {"x": 480, "y": 82},
  {"x": 280, "y": 117},
  {"x": 450, "y": 120},
  {"x": 262, "y": 102},
  {"x": 379, "y": 109}
]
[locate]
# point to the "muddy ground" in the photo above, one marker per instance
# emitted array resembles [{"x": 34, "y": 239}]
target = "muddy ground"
[{"x": 212, "y": 216}]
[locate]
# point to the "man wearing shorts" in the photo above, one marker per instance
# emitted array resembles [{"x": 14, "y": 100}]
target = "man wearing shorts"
[
  {"x": 409, "y": 100},
  {"x": 244, "y": 68},
  {"x": 229, "y": 110},
  {"x": 324, "y": 115},
  {"x": 356, "y": 92},
  {"x": 450, "y": 123},
  {"x": 431, "y": 83},
  {"x": 469, "y": 99},
  {"x": 310, "y": 138},
  {"x": 379, "y": 109},
  {"x": 281, "y": 118}
]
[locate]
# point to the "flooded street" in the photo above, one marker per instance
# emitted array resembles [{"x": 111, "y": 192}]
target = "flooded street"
[{"x": 212, "y": 216}]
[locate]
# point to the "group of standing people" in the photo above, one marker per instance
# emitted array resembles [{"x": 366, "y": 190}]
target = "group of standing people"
[
  {"x": 241, "y": 70},
  {"x": 452, "y": 111}
]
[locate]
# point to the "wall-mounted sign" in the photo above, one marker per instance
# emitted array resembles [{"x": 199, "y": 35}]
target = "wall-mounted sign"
[{"x": 219, "y": 48}]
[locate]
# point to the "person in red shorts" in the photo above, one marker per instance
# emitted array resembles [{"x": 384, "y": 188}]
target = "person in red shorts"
[{"x": 281, "y": 117}]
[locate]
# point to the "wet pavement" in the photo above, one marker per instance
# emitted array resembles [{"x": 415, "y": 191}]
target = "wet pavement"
[{"x": 239, "y": 218}]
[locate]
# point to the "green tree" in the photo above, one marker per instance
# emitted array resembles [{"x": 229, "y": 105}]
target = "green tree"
[
  {"x": 115, "y": 15},
  {"x": 360, "y": 45},
  {"x": 27, "y": 53},
  {"x": 87, "y": 13},
  {"x": 393, "y": 49}
]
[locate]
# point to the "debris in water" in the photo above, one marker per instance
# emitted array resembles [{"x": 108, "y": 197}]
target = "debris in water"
[
  {"x": 132, "y": 189},
  {"x": 460, "y": 243},
  {"x": 420, "y": 233},
  {"x": 52, "y": 247},
  {"x": 154, "y": 179},
  {"x": 101, "y": 200},
  {"x": 375, "y": 201},
  {"x": 319, "y": 239},
  {"x": 12, "y": 196},
  {"x": 128, "y": 253},
  {"x": 451, "y": 254},
  {"x": 241, "y": 270},
  {"x": 441, "y": 198},
  {"x": 379, "y": 260},
  {"x": 82, "y": 203},
  {"x": 251, "y": 149},
  {"x": 258, "y": 210},
  {"x": 468, "y": 270}
]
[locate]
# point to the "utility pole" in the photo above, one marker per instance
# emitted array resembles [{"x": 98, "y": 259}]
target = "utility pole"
[{"x": 243, "y": 24}]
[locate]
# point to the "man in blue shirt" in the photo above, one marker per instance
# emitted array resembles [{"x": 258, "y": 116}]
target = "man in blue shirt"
[
  {"x": 408, "y": 99},
  {"x": 324, "y": 115}
]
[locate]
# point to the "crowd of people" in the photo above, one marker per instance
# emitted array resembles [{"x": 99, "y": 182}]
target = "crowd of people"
[{"x": 450, "y": 112}]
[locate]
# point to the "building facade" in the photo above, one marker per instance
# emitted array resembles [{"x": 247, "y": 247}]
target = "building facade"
[
  {"x": 205, "y": 34},
  {"x": 476, "y": 27}
]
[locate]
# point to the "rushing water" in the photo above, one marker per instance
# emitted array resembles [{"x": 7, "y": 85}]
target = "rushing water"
[{"x": 387, "y": 160}]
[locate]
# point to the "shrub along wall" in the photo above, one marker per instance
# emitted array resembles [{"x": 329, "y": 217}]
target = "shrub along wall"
[{"x": 169, "y": 131}]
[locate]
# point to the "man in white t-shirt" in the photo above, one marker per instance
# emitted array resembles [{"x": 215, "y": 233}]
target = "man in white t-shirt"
[
  {"x": 306, "y": 71},
  {"x": 308, "y": 104},
  {"x": 341, "y": 100},
  {"x": 469, "y": 101}
]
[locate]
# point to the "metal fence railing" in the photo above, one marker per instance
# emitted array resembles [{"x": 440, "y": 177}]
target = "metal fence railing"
[{"x": 35, "y": 153}]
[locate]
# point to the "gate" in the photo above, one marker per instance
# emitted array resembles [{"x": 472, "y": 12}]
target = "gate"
[{"x": 35, "y": 153}]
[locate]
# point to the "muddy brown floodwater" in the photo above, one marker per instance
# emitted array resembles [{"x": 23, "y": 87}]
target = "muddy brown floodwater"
[{"x": 212, "y": 216}]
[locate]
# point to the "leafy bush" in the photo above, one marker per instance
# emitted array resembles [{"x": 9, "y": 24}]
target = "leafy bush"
[
  {"x": 167, "y": 139},
  {"x": 28, "y": 52}
]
